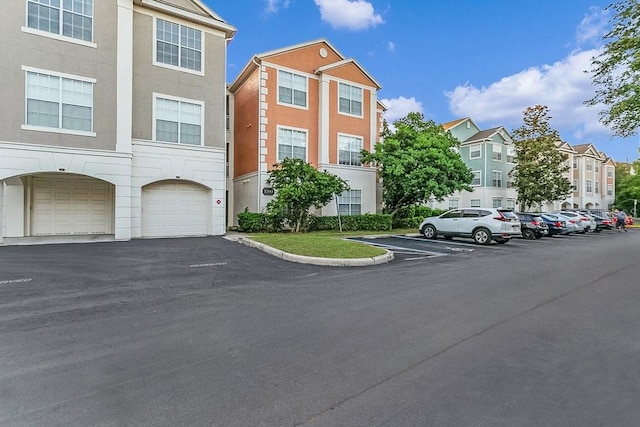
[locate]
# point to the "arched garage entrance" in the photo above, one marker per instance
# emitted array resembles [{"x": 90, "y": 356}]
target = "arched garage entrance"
[
  {"x": 174, "y": 208},
  {"x": 58, "y": 205}
]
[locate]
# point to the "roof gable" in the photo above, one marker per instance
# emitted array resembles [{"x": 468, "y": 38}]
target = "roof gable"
[
  {"x": 351, "y": 65},
  {"x": 193, "y": 10},
  {"x": 587, "y": 149}
]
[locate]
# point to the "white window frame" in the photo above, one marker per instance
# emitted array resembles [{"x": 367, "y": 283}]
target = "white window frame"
[
  {"x": 475, "y": 203},
  {"x": 351, "y": 87},
  {"x": 575, "y": 185},
  {"x": 477, "y": 173},
  {"x": 472, "y": 149},
  {"x": 59, "y": 35},
  {"x": 352, "y": 138},
  {"x": 157, "y": 96},
  {"x": 511, "y": 155},
  {"x": 511, "y": 204},
  {"x": 349, "y": 203},
  {"x": 306, "y": 90},
  {"x": 609, "y": 189},
  {"x": 59, "y": 129},
  {"x": 597, "y": 169},
  {"x": 609, "y": 172},
  {"x": 454, "y": 204},
  {"x": 589, "y": 187},
  {"x": 589, "y": 166},
  {"x": 496, "y": 202},
  {"x": 178, "y": 67},
  {"x": 496, "y": 154},
  {"x": 493, "y": 179},
  {"x": 596, "y": 187},
  {"x": 293, "y": 129},
  {"x": 575, "y": 163}
]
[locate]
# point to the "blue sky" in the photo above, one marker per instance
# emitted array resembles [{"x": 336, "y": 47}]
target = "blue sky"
[{"x": 487, "y": 59}]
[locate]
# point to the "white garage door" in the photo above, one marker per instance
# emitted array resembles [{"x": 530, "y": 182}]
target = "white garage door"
[
  {"x": 174, "y": 208},
  {"x": 69, "y": 205}
]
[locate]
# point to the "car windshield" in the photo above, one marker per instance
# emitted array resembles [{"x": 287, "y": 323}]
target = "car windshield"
[{"x": 508, "y": 214}]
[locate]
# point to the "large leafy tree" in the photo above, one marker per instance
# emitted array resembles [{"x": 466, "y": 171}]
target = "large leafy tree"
[
  {"x": 299, "y": 186},
  {"x": 627, "y": 185},
  {"x": 616, "y": 71},
  {"x": 539, "y": 165},
  {"x": 417, "y": 161}
]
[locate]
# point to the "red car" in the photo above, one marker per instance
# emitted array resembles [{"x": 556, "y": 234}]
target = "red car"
[{"x": 627, "y": 221}]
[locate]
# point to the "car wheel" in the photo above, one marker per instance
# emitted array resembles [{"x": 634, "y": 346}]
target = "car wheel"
[
  {"x": 528, "y": 234},
  {"x": 429, "y": 231},
  {"x": 482, "y": 236}
]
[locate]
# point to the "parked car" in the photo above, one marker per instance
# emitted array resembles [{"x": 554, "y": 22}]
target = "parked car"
[
  {"x": 583, "y": 224},
  {"x": 628, "y": 220},
  {"x": 602, "y": 223},
  {"x": 557, "y": 225},
  {"x": 481, "y": 224},
  {"x": 532, "y": 225}
]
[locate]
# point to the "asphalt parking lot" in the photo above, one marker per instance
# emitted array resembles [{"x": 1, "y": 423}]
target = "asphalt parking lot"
[
  {"x": 204, "y": 331},
  {"x": 416, "y": 247}
]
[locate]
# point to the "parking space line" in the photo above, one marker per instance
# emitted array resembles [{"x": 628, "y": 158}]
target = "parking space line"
[
  {"x": 402, "y": 249},
  {"x": 209, "y": 264},
  {"x": 9, "y": 281}
]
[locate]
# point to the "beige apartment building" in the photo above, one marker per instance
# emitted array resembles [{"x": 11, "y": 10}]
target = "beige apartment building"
[{"x": 113, "y": 119}]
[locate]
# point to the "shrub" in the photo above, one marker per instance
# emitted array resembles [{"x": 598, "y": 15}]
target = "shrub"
[
  {"x": 375, "y": 222},
  {"x": 254, "y": 222}
]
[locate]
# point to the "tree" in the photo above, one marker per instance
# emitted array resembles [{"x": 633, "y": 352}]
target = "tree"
[
  {"x": 616, "y": 71},
  {"x": 627, "y": 185},
  {"x": 299, "y": 186},
  {"x": 417, "y": 161},
  {"x": 539, "y": 165}
]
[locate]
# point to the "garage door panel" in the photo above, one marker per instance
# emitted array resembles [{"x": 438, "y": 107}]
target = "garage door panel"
[
  {"x": 69, "y": 205},
  {"x": 175, "y": 209}
]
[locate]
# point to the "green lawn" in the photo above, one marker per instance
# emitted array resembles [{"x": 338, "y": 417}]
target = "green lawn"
[{"x": 324, "y": 244}]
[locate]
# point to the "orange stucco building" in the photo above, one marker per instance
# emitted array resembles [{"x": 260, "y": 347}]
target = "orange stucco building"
[{"x": 306, "y": 101}]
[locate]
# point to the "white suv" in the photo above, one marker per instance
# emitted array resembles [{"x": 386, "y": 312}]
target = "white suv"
[{"x": 481, "y": 224}]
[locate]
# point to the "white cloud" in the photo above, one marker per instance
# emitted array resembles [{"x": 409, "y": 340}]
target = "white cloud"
[
  {"x": 391, "y": 46},
  {"x": 400, "y": 107},
  {"x": 562, "y": 86},
  {"x": 274, "y": 5},
  {"x": 592, "y": 27},
  {"x": 350, "y": 14}
]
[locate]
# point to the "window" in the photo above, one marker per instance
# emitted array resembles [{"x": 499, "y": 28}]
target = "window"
[
  {"x": 497, "y": 152},
  {"x": 589, "y": 167},
  {"x": 589, "y": 186},
  {"x": 350, "y": 99},
  {"x": 575, "y": 185},
  {"x": 497, "y": 202},
  {"x": 597, "y": 187},
  {"x": 475, "y": 152},
  {"x": 609, "y": 189},
  {"x": 597, "y": 169},
  {"x": 475, "y": 203},
  {"x": 453, "y": 214},
  {"x": 178, "y": 45},
  {"x": 292, "y": 89},
  {"x": 511, "y": 204},
  {"x": 575, "y": 163},
  {"x": 349, "y": 150},
  {"x": 510, "y": 155},
  {"x": 59, "y": 102},
  {"x": 350, "y": 202},
  {"x": 178, "y": 121},
  {"x": 76, "y": 22},
  {"x": 609, "y": 172},
  {"x": 477, "y": 178},
  {"x": 510, "y": 182},
  {"x": 496, "y": 178},
  {"x": 453, "y": 203},
  {"x": 292, "y": 143}
]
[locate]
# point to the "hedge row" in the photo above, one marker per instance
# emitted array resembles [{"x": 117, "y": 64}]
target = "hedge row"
[{"x": 252, "y": 222}]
